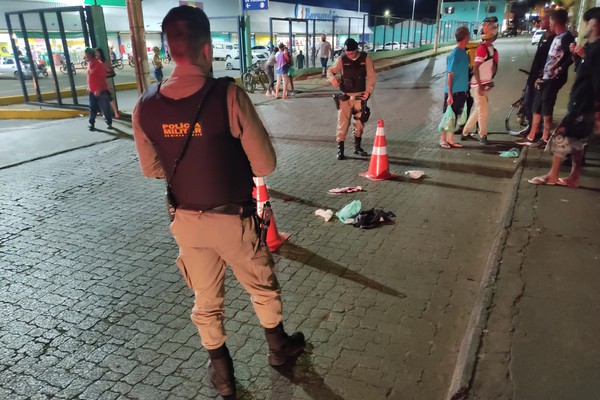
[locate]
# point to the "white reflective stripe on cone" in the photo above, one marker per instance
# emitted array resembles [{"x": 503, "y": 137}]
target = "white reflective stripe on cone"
[{"x": 379, "y": 151}]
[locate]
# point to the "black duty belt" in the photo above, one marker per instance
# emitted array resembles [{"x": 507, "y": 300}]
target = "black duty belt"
[{"x": 243, "y": 210}]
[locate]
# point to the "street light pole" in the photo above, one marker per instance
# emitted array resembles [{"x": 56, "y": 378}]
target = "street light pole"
[{"x": 413, "y": 14}]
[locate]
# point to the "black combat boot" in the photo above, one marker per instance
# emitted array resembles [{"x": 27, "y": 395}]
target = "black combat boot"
[
  {"x": 221, "y": 372},
  {"x": 282, "y": 346},
  {"x": 357, "y": 149},
  {"x": 340, "y": 153}
]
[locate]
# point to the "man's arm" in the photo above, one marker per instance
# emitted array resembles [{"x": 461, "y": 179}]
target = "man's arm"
[
  {"x": 563, "y": 65},
  {"x": 148, "y": 158},
  {"x": 247, "y": 126},
  {"x": 595, "y": 59},
  {"x": 476, "y": 66},
  {"x": 370, "y": 76},
  {"x": 332, "y": 71},
  {"x": 449, "y": 83}
]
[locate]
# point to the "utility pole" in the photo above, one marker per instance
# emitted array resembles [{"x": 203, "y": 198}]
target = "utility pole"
[
  {"x": 437, "y": 26},
  {"x": 138, "y": 44}
]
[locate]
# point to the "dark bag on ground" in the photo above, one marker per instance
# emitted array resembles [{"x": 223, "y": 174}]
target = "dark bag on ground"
[{"x": 373, "y": 218}]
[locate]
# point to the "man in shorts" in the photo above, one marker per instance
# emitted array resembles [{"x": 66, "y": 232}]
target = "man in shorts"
[
  {"x": 554, "y": 77},
  {"x": 457, "y": 83},
  {"x": 583, "y": 115}
]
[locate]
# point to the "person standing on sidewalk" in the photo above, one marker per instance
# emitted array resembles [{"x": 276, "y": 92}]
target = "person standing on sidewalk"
[
  {"x": 110, "y": 73},
  {"x": 215, "y": 220},
  {"x": 157, "y": 63},
  {"x": 553, "y": 79},
  {"x": 457, "y": 83},
  {"x": 484, "y": 70},
  {"x": 98, "y": 94},
  {"x": 357, "y": 83},
  {"x": 537, "y": 66},
  {"x": 583, "y": 112},
  {"x": 324, "y": 53},
  {"x": 282, "y": 67}
]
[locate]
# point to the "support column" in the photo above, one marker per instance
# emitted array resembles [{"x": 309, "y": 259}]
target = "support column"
[{"x": 138, "y": 44}]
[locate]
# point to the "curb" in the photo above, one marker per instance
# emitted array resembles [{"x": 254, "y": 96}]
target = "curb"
[
  {"x": 467, "y": 355},
  {"x": 40, "y": 114}
]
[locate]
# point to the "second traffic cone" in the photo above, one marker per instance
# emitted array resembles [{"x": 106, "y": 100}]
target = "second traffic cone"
[
  {"x": 379, "y": 168},
  {"x": 274, "y": 237}
]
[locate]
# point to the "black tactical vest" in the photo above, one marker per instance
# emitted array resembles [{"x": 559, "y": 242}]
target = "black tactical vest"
[
  {"x": 354, "y": 74},
  {"x": 215, "y": 169}
]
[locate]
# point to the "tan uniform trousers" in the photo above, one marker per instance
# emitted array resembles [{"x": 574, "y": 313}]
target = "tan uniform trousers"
[
  {"x": 348, "y": 109},
  {"x": 207, "y": 244},
  {"x": 479, "y": 113}
]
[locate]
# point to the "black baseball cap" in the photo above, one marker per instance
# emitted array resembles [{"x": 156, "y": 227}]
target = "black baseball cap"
[{"x": 350, "y": 44}]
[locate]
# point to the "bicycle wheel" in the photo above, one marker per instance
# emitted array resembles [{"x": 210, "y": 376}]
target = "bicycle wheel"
[
  {"x": 118, "y": 64},
  {"x": 516, "y": 122},
  {"x": 63, "y": 69},
  {"x": 248, "y": 81},
  {"x": 263, "y": 79}
]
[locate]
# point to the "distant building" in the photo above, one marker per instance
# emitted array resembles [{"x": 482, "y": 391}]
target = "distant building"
[{"x": 471, "y": 13}]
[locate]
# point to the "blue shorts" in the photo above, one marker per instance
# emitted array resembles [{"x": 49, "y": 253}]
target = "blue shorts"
[{"x": 324, "y": 62}]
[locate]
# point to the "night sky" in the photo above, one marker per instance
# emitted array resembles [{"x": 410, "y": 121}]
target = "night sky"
[{"x": 423, "y": 8}]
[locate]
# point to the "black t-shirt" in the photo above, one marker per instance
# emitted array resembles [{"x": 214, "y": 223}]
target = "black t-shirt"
[
  {"x": 586, "y": 89},
  {"x": 539, "y": 60}
]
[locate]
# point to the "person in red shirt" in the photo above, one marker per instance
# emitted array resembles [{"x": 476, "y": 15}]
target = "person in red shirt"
[
  {"x": 99, "y": 96},
  {"x": 484, "y": 70}
]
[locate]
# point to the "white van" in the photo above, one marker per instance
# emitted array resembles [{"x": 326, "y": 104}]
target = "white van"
[{"x": 221, "y": 49}]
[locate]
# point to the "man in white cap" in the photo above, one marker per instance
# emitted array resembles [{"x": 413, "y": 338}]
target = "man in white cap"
[{"x": 357, "y": 83}]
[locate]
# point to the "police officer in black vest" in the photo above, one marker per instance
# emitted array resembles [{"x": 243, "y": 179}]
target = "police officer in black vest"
[
  {"x": 357, "y": 84},
  {"x": 209, "y": 166}
]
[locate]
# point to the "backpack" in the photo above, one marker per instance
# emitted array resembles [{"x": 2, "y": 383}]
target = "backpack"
[{"x": 471, "y": 50}]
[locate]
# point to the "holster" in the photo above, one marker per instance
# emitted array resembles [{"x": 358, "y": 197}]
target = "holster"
[
  {"x": 171, "y": 204},
  {"x": 336, "y": 100},
  {"x": 264, "y": 221}
]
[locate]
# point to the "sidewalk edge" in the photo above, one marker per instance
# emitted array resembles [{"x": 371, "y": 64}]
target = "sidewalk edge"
[{"x": 465, "y": 364}]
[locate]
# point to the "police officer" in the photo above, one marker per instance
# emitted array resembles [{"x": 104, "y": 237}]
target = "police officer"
[
  {"x": 357, "y": 84},
  {"x": 214, "y": 224}
]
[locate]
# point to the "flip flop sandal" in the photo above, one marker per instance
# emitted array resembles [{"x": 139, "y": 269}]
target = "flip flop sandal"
[
  {"x": 564, "y": 182},
  {"x": 456, "y": 145},
  {"x": 445, "y": 146},
  {"x": 538, "y": 180}
]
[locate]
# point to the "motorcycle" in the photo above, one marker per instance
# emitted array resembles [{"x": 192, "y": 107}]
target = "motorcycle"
[
  {"x": 117, "y": 63},
  {"x": 42, "y": 70}
]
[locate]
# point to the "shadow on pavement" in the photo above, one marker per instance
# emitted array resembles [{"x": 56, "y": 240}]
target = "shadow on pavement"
[
  {"x": 302, "y": 374},
  {"x": 287, "y": 198},
  {"x": 117, "y": 133},
  {"x": 307, "y": 257}
]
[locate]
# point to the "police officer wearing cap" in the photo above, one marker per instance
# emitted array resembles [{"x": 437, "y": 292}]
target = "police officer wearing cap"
[
  {"x": 356, "y": 84},
  {"x": 214, "y": 222}
]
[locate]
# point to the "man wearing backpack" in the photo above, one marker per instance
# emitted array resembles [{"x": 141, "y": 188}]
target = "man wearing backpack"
[
  {"x": 484, "y": 70},
  {"x": 553, "y": 79}
]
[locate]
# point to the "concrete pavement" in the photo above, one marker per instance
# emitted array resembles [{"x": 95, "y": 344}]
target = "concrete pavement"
[{"x": 93, "y": 307}]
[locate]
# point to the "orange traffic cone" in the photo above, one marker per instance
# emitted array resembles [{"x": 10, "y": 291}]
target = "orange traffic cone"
[
  {"x": 379, "y": 169},
  {"x": 274, "y": 238}
]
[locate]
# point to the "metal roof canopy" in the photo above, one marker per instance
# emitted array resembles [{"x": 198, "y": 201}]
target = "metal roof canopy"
[{"x": 86, "y": 24}]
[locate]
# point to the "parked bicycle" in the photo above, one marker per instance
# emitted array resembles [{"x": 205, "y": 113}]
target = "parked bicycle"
[
  {"x": 516, "y": 121},
  {"x": 255, "y": 75},
  {"x": 130, "y": 60}
]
